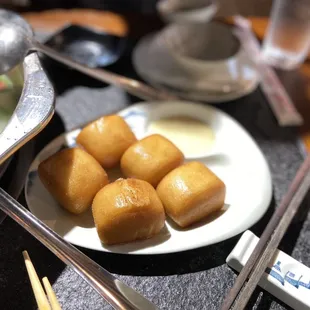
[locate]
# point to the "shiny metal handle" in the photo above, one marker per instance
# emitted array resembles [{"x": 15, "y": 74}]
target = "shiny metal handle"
[
  {"x": 133, "y": 87},
  {"x": 115, "y": 292},
  {"x": 33, "y": 111}
]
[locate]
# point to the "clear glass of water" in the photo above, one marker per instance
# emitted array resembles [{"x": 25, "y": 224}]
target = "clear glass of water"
[{"x": 288, "y": 36}]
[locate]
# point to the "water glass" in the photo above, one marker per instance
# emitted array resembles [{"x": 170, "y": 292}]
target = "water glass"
[{"x": 288, "y": 36}]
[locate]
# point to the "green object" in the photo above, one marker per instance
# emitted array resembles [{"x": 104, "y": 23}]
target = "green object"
[
  {"x": 4, "y": 118},
  {"x": 11, "y": 85},
  {"x": 5, "y": 83}
]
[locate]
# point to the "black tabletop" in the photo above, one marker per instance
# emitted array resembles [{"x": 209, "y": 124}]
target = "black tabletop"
[{"x": 196, "y": 279}]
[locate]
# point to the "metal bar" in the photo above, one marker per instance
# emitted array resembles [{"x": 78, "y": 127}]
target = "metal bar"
[{"x": 115, "y": 292}]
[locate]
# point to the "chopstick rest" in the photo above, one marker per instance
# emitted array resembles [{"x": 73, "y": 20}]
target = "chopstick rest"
[{"x": 285, "y": 277}]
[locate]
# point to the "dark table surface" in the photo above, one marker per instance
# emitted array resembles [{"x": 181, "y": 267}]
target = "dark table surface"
[{"x": 197, "y": 279}]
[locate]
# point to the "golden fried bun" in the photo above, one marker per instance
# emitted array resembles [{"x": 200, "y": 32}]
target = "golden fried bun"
[
  {"x": 150, "y": 159},
  {"x": 191, "y": 192},
  {"x": 107, "y": 139},
  {"x": 73, "y": 177},
  {"x": 127, "y": 210}
]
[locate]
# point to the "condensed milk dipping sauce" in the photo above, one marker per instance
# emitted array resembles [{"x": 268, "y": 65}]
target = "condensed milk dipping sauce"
[{"x": 192, "y": 136}]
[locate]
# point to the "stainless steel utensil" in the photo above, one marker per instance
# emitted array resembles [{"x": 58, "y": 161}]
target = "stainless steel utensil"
[
  {"x": 33, "y": 111},
  {"x": 119, "y": 295},
  {"x": 16, "y": 42},
  {"x": 36, "y": 104}
]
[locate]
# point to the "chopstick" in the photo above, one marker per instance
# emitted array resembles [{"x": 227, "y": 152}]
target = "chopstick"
[
  {"x": 269, "y": 241},
  {"x": 37, "y": 288},
  {"x": 51, "y": 294},
  {"x": 278, "y": 99},
  {"x": 118, "y": 294}
]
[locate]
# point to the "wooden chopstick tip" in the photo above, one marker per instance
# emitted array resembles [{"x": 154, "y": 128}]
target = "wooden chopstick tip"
[
  {"x": 51, "y": 294},
  {"x": 37, "y": 288},
  {"x": 26, "y": 255}
]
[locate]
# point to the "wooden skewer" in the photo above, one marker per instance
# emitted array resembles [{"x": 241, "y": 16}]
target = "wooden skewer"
[
  {"x": 37, "y": 288},
  {"x": 51, "y": 294}
]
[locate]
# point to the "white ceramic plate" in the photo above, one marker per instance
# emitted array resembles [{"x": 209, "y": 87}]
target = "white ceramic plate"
[
  {"x": 240, "y": 164},
  {"x": 174, "y": 14},
  {"x": 159, "y": 67}
]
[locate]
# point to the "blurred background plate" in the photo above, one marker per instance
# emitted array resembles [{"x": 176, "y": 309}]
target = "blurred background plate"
[
  {"x": 187, "y": 10},
  {"x": 179, "y": 58},
  {"x": 87, "y": 46}
]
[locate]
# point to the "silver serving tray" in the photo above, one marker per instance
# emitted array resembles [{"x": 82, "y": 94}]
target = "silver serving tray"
[{"x": 33, "y": 111}]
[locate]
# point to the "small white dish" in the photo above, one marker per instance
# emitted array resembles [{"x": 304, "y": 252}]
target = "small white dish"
[
  {"x": 193, "y": 12},
  {"x": 238, "y": 162},
  {"x": 191, "y": 61}
]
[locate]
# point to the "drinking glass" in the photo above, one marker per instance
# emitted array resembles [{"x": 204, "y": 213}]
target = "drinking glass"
[{"x": 288, "y": 36}]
